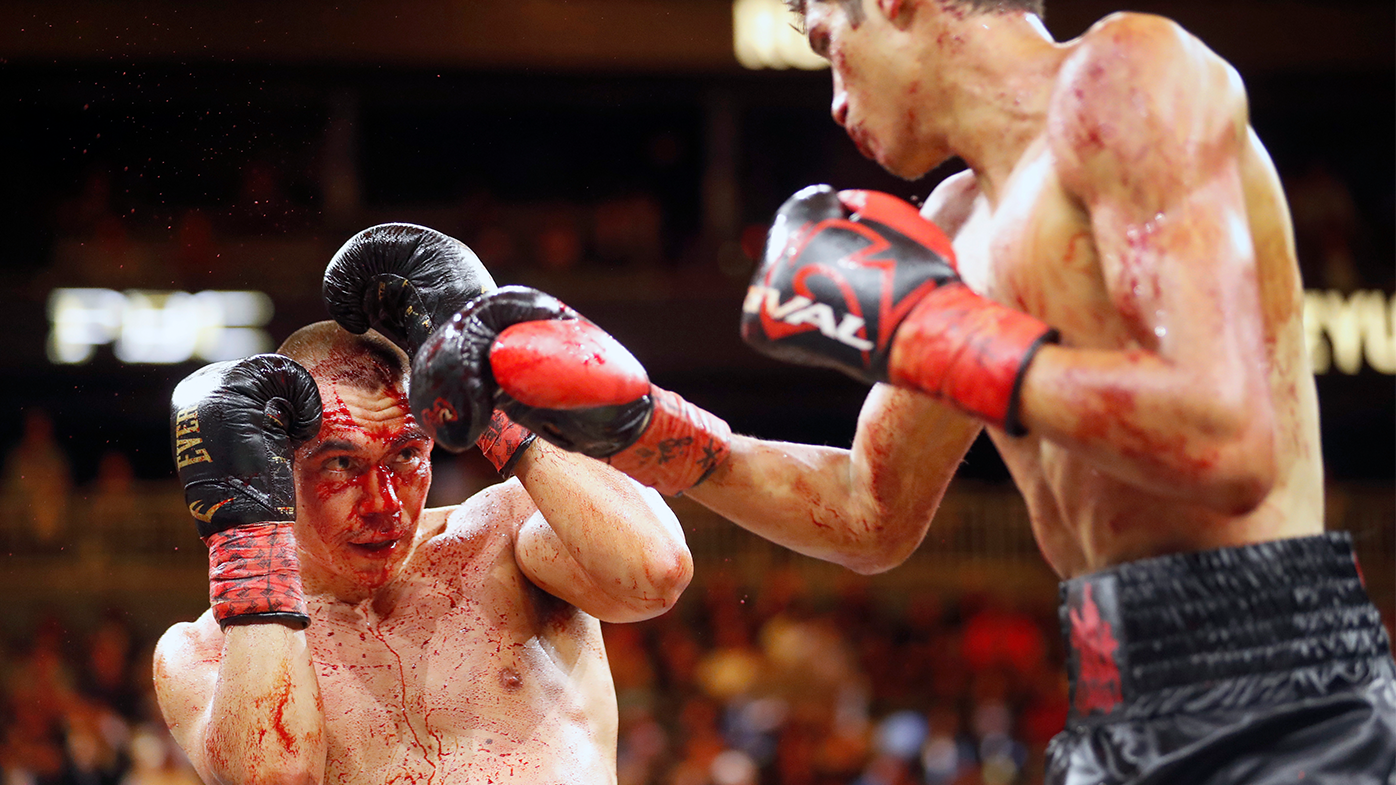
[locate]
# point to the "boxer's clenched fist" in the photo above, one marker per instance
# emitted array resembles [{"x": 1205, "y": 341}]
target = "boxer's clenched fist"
[
  {"x": 552, "y": 371},
  {"x": 234, "y": 429},
  {"x": 402, "y": 280},
  {"x": 859, "y": 281}
]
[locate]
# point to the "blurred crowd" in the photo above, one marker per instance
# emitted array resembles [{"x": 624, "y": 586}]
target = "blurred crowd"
[
  {"x": 79, "y": 709},
  {"x": 772, "y": 687},
  {"x": 785, "y": 686}
]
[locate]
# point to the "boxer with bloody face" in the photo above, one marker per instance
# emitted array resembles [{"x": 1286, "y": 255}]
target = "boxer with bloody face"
[{"x": 455, "y": 644}]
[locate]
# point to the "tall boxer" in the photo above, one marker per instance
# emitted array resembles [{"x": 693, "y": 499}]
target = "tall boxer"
[{"x": 1109, "y": 291}]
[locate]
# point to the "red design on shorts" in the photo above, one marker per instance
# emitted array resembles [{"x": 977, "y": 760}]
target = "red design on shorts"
[{"x": 1098, "y": 677}]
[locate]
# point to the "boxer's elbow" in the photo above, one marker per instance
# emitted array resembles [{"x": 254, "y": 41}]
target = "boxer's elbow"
[
  {"x": 655, "y": 587},
  {"x": 886, "y": 540},
  {"x": 876, "y": 560},
  {"x": 669, "y": 576},
  {"x": 1246, "y": 477},
  {"x": 1239, "y": 463}
]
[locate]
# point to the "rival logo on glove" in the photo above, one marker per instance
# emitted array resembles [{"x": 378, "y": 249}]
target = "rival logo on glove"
[
  {"x": 801, "y": 310},
  {"x": 849, "y": 281}
]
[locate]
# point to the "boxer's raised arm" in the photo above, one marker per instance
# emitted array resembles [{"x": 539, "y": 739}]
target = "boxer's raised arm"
[
  {"x": 245, "y": 705},
  {"x": 867, "y": 508},
  {"x": 1188, "y": 412},
  {"x": 243, "y": 701},
  {"x": 600, "y": 540}
]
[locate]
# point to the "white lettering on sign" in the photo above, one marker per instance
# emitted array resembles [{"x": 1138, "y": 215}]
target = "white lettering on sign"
[
  {"x": 1343, "y": 331},
  {"x": 150, "y": 327},
  {"x": 764, "y": 36}
]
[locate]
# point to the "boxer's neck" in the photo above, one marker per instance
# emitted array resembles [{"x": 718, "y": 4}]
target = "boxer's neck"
[{"x": 999, "y": 82}]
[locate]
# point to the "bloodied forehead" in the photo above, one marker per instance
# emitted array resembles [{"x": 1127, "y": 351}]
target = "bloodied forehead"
[{"x": 338, "y": 358}]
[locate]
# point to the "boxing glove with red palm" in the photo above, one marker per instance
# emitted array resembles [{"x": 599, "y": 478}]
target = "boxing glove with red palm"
[{"x": 529, "y": 355}]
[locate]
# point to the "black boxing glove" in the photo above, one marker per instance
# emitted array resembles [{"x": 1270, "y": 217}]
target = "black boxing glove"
[
  {"x": 402, "y": 280},
  {"x": 234, "y": 429},
  {"x": 525, "y": 353},
  {"x": 859, "y": 281}
]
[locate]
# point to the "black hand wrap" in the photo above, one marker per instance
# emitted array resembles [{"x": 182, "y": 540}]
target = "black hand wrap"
[
  {"x": 402, "y": 280},
  {"x": 234, "y": 427},
  {"x": 452, "y": 373}
]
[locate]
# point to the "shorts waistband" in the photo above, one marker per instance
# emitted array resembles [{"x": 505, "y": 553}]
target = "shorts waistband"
[{"x": 1144, "y": 630}]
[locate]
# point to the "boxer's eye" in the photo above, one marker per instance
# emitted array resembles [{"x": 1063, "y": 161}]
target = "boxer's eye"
[
  {"x": 410, "y": 456},
  {"x": 339, "y": 464}
]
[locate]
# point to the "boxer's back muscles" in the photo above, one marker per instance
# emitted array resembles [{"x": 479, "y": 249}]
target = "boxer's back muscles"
[
  {"x": 463, "y": 671},
  {"x": 1147, "y": 225}
]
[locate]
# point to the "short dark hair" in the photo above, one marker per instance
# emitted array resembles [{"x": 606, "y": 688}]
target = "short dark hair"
[
  {"x": 1000, "y": 6},
  {"x": 855, "y": 7}
]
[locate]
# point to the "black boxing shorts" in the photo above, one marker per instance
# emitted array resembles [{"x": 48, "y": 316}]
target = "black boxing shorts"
[{"x": 1261, "y": 664}]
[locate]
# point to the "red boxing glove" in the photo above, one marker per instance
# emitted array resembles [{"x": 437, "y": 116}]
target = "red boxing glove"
[
  {"x": 859, "y": 281},
  {"x": 528, "y": 355}
]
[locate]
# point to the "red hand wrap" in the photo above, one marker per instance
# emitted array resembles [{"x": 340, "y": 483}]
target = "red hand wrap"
[
  {"x": 503, "y": 442},
  {"x": 960, "y": 347},
  {"x": 682, "y": 445},
  {"x": 253, "y": 571}
]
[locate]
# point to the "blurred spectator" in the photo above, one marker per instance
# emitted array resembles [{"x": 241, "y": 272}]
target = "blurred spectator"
[
  {"x": 105, "y": 678},
  {"x": 111, "y": 503},
  {"x": 40, "y": 696},
  {"x": 37, "y": 482},
  {"x": 1326, "y": 227},
  {"x": 995, "y": 635},
  {"x": 156, "y": 760}
]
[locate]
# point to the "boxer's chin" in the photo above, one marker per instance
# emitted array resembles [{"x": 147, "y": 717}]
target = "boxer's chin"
[{"x": 909, "y": 165}]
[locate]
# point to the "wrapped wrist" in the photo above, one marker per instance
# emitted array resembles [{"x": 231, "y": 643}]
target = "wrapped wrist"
[
  {"x": 960, "y": 347},
  {"x": 254, "y": 575},
  {"x": 504, "y": 442},
  {"x": 681, "y": 446}
]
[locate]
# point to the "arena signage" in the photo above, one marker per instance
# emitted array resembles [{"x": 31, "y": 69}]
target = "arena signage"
[
  {"x": 1344, "y": 332},
  {"x": 764, "y": 36},
  {"x": 157, "y": 327}
]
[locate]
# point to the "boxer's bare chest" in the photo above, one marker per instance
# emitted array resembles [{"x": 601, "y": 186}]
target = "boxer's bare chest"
[
  {"x": 1034, "y": 250},
  {"x": 462, "y": 674}
]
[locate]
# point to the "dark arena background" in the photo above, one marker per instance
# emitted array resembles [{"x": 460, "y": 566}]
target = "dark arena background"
[{"x": 175, "y": 176}]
